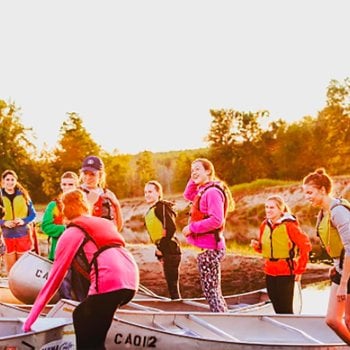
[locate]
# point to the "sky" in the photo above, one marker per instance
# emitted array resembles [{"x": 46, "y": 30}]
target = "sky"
[{"x": 143, "y": 75}]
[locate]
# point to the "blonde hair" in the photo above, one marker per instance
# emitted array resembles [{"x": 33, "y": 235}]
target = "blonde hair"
[
  {"x": 281, "y": 204},
  {"x": 157, "y": 185},
  {"x": 74, "y": 204}
]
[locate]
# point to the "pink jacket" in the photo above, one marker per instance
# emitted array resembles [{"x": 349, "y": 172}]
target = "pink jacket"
[
  {"x": 211, "y": 204},
  {"x": 117, "y": 268}
]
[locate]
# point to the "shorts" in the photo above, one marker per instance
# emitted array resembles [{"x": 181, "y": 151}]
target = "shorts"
[
  {"x": 18, "y": 245},
  {"x": 335, "y": 278}
]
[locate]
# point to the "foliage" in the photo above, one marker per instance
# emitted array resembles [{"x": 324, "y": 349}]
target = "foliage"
[{"x": 240, "y": 147}]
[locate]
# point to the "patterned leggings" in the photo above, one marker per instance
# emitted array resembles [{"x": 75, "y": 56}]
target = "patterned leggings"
[{"x": 210, "y": 277}]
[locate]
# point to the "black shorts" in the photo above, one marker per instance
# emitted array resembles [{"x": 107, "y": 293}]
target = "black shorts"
[{"x": 335, "y": 278}]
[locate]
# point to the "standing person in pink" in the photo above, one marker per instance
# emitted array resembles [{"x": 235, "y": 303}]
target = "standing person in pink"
[
  {"x": 211, "y": 199},
  {"x": 112, "y": 271}
]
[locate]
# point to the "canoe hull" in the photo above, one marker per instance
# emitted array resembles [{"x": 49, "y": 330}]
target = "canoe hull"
[
  {"x": 28, "y": 275},
  {"x": 49, "y": 334},
  {"x": 171, "y": 330}
]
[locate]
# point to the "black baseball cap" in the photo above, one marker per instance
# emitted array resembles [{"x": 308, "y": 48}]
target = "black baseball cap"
[{"x": 92, "y": 163}]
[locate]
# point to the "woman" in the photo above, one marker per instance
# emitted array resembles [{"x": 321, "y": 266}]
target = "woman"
[
  {"x": 19, "y": 214},
  {"x": 103, "y": 201},
  {"x": 211, "y": 199},
  {"x": 279, "y": 240},
  {"x": 333, "y": 228},
  {"x": 113, "y": 271},
  {"x": 53, "y": 225},
  {"x": 160, "y": 224}
]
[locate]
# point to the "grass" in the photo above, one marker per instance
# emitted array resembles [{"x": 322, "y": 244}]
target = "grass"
[{"x": 258, "y": 185}]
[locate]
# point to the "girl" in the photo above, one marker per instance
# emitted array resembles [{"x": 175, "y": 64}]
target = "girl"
[
  {"x": 104, "y": 202},
  {"x": 160, "y": 224},
  {"x": 113, "y": 271},
  {"x": 211, "y": 199},
  {"x": 19, "y": 213},
  {"x": 280, "y": 236},
  {"x": 333, "y": 228}
]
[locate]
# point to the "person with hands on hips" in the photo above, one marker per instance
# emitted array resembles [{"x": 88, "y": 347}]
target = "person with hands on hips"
[{"x": 333, "y": 229}]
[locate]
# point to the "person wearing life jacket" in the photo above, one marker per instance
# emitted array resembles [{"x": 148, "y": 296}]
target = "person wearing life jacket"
[
  {"x": 111, "y": 269},
  {"x": 161, "y": 227},
  {"x": 104, "y": 202},
  {"x": 285, "y": 248},
  {"x": 52, "y": 222},
  {"x": 19, "y": 214},
  {"x": 53, "y": 226},
  {"x": 211, "y": 199},
  {"x": 333, "y": 228}
]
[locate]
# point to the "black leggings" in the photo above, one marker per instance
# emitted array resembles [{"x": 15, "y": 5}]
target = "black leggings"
[
  {"x": 281, "y": 290},
  {"x": 93, "y": 317}
]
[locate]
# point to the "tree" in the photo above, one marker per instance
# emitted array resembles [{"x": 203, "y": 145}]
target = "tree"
[{"x": 74, "y": 145}]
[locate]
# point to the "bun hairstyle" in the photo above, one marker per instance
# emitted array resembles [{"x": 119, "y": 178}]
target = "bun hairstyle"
[
  {"x": 74, "y": 204},
  {"x": 319, "y": 178}
]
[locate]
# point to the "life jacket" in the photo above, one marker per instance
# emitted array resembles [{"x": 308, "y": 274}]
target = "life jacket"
[
  {"x": 17, "y": 209},
  {"x": 197, "y": 215},
  {"x": 328, "y": 234},
  {"x": 155, "y": 227},
  {"x": 103, "y": 207},
  {"x": 103, "y": 235},
  {"x": 57, "y": 213},
  {"x": 275, "y": 242}
]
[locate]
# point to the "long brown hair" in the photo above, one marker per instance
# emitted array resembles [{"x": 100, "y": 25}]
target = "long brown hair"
[
  {"x": 209, "y": 166},
  {"x": 18, "y": 186}
]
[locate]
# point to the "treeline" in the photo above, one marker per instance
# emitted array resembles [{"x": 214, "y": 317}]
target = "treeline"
[{"x": 238, "y": 144}]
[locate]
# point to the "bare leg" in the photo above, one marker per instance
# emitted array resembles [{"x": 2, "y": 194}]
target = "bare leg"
[
  {"x": 10, "y": 259},
  {"x": 335, "y": 314}
]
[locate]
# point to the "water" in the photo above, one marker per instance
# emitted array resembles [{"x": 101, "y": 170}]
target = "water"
[{"x": 315, "y": 298}]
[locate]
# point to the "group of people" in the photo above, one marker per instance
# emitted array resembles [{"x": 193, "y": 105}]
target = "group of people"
[{"x": 85, "y": 222}]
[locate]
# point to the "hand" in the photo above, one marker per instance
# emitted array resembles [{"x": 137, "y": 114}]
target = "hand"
[
  {"x": 10, "y": 223},
  {"x": 255, "y": 244},
  {"x": 297, "y": 278},
  {"x": 25, "y": 328},
  {"x": 19, "y": 222},
  {"x": 342, "y": 293},
  {"x": 186, "y": 231}
]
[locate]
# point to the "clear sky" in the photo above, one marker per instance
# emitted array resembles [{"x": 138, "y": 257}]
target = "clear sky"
[{"x": 144, "y": 74}]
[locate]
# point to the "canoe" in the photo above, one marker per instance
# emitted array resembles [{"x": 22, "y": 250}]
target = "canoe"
[
  {"x": 6, "y": 296},
  {"x": 254, "y": 301},
  {"x": 30, "y": 272},
  {"x": 28, "y": 275},
  {"x": 207, "y": 330},
  {"x": 47, "y": 333}
]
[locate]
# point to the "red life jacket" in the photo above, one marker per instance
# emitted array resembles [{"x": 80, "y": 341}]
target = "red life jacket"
[
  {"x": 197, "y": 215},
  {"x": 104, "y": 234}
]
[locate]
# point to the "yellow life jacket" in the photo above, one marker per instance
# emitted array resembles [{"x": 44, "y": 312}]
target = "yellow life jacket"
[
  {"x": 18, "y": 209},
  {"x": 328, "y": 234},
  {"x": 276, "y": 243},
  {"x": 154, "y": 226}
]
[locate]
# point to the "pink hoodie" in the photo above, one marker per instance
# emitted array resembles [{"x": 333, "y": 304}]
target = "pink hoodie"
[
  {"x": 212, "y": 205},
  {"x": 117, "y": 267}
]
